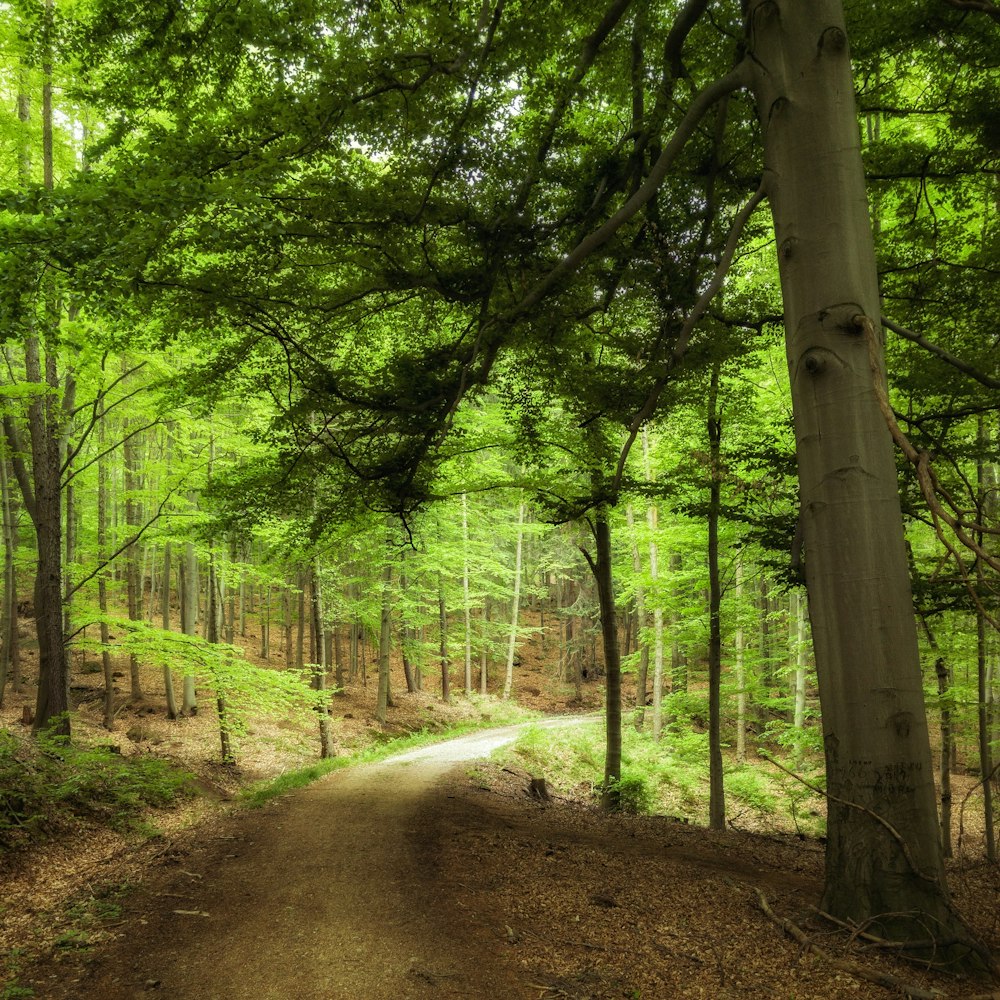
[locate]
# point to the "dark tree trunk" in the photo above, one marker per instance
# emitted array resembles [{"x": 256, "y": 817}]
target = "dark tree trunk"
[
  {"x": 601, "y": 568},
  {"x": 717, "y": 795}
]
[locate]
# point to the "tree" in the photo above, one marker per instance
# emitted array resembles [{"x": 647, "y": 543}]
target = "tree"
[{"x": 884, "y": 861}]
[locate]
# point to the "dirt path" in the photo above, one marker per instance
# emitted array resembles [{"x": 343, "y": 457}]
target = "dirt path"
[
  {"x": 328, "y": 893},
  {"x": 406, "y": 879}
]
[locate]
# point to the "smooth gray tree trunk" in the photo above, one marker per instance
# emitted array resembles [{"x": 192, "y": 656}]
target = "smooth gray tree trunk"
[{"x": 884, "y": 865}]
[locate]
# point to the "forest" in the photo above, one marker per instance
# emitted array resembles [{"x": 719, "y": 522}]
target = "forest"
[{"x": 375, "y": 368}]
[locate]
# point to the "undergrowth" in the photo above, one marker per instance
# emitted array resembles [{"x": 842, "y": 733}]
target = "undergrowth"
[
  {"x": 671, "y": 777},
  {"x": 48, "y": 784}
]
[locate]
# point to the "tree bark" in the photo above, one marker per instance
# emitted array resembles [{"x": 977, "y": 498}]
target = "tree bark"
[
  {"x": 319, "y": 666},
  {"x": 168, "y": 676},
  {"x": 947, "y": 739},
  {"x": 132, "y": 579},
  {"x": 443, "y": 641},
  {"x": 188, "y": 574},
  {"x": 883, "y": 856},
  {"x": 642, "y": 671},
  {"x": 739, "y": 643},
  {"x": 601, "y": 568},
  {"x": 508, "y": 681},
  {"x": 466, "y": 603},
  {"x": 7, "y": 611},
  {"x": 385, "y": 634},
  {"x": 717, "y": 792}
]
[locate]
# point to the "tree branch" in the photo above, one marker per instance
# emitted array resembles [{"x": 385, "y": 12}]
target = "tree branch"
[
  {"x": 941, "y": 353},
  {"x": 984, "y": 6},
  {"x": 715, "y": 91},
  {"x": 693, "y": 318}
]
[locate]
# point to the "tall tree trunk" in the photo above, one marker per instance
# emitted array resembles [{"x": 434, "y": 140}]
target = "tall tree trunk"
[
  {"x": 168, "y": 676},
  {"x": 652, "y": 521},
  {"x": 213, "y": 633},
  {"x": 484, "y": 655},
  {"x": 642, "y": 671},
  {"x": 601, "y": 568},
  {"x": 265, "y": 626},
  {"x": 102, "y": 581},
  {"x": 443, "y": 641},
  {"x": 717, "y": 792},
  {"x": 8, "y": 619},
  {"x": 797, "y": 627},
  {"x": 407, "y": 635},
  {"x": 982, "y": 651},
  {"x": 300, "y": 633},
  {"x": 320, "y": 664},
  {"x": 188, "y": 576},
  {"x": 385, "y": 635},
  {"x": 508, "y": 681},
  {"x": 132, "y": 580},
  {"x": 466, "y": 603},
  {"x": 884, "y": 865},
  {"x": 947, "y": 739},
  {"x": 739, "y": 643}
]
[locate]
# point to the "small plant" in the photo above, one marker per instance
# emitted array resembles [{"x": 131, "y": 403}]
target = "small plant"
[
  {"x": 752, "y": 788},
  {"x": 631, "y": 794}
]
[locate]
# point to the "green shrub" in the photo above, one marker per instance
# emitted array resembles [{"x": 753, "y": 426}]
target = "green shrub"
[{"x": 631, "y": 794}]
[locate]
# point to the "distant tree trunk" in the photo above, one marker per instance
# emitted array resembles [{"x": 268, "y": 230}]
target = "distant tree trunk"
[
  {"x": 642, "y": 671},
  {"x": 678, "y": 658},
  {"x": 213, "y": 633},
  {"x": 102, "y": 581},
  {"x": 300, "y": 633},
  {"x": 508, "y": 682},
  {"x": 320, "y": 665},
  {"x": 168, "y": 677},
  {"x": 983, "y": 511},
  {"x": 338, "y": 659},
  {"x": 483, "y": 653},
  {"x": 947, "y": 739},
  {"x": 717, "y": 792},
  {"x": 265, "y": 626},
  {"x": 286, "y": 621},
  {"x": 466, "y": 603},
  {"x": 132, "y": 580},
  {"x": 443, "y": 641},
  {"x": 884, "y": 865},
  {"x": 8, "y": 621},
  {"x": 797, "y": 614},
  {"x": 739, "y": 642},
  {"x": 385, "y": 636},
  {"x": 652, "y": 520},
  {"x": 188, "y": 571},
  {"x": 767, "y": 668}
]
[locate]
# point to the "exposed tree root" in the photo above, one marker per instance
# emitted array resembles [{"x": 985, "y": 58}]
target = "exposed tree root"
[{"x": 890, "y": 982}]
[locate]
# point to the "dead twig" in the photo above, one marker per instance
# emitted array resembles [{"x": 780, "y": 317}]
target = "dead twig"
[{"x": 852, "y": 968}]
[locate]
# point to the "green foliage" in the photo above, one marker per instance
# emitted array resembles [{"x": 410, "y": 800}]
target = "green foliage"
[
  {"x": 749, "y": 786},
  {"x": 803, "y": 744},
  {"x": 631, "y": 794},
  {"x": 248, "y": 690},
  {"x": 44, "y": 787}
]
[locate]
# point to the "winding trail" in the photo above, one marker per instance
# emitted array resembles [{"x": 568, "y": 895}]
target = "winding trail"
[{"x": 327, "y": 893}]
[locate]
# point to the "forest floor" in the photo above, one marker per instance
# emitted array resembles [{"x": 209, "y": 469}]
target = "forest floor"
[{"x": 433, "y": 874}]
